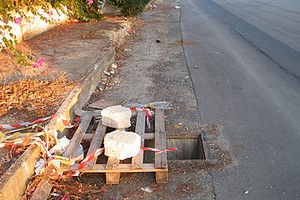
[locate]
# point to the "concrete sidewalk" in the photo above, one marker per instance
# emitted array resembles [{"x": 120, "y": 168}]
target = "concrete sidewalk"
[{"x": 73, "y": 48}]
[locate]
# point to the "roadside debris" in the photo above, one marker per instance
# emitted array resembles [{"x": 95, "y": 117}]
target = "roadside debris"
[
  {"x": 178, "y": 126},
  {"x": 39, "y": 165},
  {"x": 127, "y": 50},
  {"x": 52, "y": 164},
  {"x": 147, "y": 189},
  {"x": 79, "y": 154},
  {"x": 246, "y": 192},
  {"x": 152, "y": 105},
  {"x": 114, "y": 66},
  {"x": 106, "y": 73},
  {"x": 152, "y": 6},
  {"x": 109, "y": 81},
  {"x": 60, "y": 147},
  {"x": 101, "y": 104},
  {"x": 55, "y": 194}
]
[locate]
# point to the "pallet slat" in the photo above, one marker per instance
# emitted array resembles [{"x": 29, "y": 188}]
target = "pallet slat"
[
  {"x": 112, "y": 177},
  {"x": 160, "y": 139},
  {"x": 160, "y": 143},
  {"x": 96, "y": 142},
  {"x": 137, "y": 161},
  {"x": 76, "y": 140},
  {"x": 122, "y": 168},
  {"x": 88, "y": 136},
  {"x": 150, "y": 136}
]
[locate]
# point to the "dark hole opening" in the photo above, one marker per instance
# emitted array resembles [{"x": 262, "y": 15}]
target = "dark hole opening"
[{"x": 189, "y": 147}]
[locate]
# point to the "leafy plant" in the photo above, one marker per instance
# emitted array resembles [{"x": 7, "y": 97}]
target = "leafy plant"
[{"x": 130, "y": 7}]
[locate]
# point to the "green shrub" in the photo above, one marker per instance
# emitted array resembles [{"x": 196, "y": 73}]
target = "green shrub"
[
  {"x": 130, "y": 7},
  {"x": 77, "y": 9}
]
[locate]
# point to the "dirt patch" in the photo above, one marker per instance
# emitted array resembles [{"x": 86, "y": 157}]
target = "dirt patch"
[
  {"x": 182, "y": 184},
  {"x": 32, "y": 98},
  {"x": 10, "y": 67}
]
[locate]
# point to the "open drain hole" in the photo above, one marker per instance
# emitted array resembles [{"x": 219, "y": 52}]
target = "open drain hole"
[{"x": 189, "y": 147}]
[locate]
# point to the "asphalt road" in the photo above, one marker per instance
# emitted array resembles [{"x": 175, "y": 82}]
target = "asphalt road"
[
  {"x": 246, "y": 79},
  {"x": 278, "y": 18}
]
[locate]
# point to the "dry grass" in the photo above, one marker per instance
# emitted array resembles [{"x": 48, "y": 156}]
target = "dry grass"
[{"x": 33, "y": 98}]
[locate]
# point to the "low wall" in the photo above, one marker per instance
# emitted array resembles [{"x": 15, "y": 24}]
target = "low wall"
[{"x": 32, "y": 25}]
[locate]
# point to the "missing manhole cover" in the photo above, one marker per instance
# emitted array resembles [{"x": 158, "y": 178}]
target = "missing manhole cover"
[{"x": 189, "y": 147}]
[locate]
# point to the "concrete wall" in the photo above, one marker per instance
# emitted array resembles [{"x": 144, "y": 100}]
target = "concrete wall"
[{"x": 33, "y": 24}]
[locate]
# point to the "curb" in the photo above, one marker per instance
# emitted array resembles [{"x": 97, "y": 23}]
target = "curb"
[{"x": 14, "y": 180}]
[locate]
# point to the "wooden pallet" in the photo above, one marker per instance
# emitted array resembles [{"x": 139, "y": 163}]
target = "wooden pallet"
[{"x": 113, "y": 168}]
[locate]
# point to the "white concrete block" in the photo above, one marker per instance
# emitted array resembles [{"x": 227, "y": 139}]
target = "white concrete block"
[
  {"x": 116, "y": 117},
  {"x": 121, "y": 144}
]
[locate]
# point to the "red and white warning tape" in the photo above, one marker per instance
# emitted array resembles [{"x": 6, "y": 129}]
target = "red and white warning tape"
[
  {"x": 148, "y": 113},
  {"x": 32, "y": 122},
  {"x": 43, "y": 145},
  {"x": 9, "y": 144},
  {"x": 83, "y": 163},
  {"x": 20, "y": 140},
  {"x": 36, "y": 140},
  {"x": 66, "y": 122},
  {"x": 29, "y": 123},
  {"x": 18, "y": 136},
  {"x": 93, "y": 155},
  {"x": 158, "y": 150}
]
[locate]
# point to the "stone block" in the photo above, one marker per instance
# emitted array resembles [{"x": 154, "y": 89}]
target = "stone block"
[
  {"x": 116, "y": 117},
  {"x": 121, "y": 144}
]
